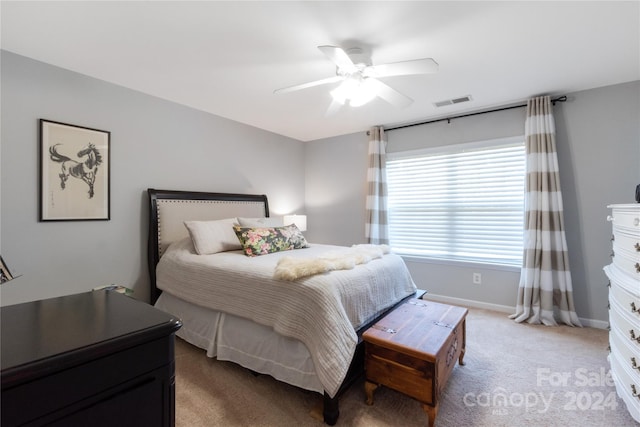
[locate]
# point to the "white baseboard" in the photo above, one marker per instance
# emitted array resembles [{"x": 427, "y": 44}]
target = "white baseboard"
[
  {"x": 593, "y": 323},
  {"x": 588, "y": 323},
  {"x": 469, "y": 303}
]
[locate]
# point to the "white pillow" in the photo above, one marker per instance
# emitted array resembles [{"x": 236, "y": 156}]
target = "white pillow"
[
  {"x": 260, "y": 222},
  {"x": 210, "y": 237}
]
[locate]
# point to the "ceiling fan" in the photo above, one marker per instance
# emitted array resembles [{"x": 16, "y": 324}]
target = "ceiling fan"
[{"x": 359, "y": 78}]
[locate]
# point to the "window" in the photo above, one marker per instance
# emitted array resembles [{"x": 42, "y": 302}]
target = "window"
[{"x": 463, "y": 202}]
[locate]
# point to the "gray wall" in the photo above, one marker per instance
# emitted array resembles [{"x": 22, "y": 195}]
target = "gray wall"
[
  {"x": 598, "y": 135},
  {"x": 335, "y": 189},
  {"x": 154, "y": 143},
  {"x": 598, "y": 138}
]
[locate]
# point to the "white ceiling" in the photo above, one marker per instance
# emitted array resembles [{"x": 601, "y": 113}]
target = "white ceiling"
[{"x": 227, "y": 58}]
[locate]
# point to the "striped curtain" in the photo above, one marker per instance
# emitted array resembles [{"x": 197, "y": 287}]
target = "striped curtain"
[
  {"x": 376, "y": 226},
  {"x": 545, "y": 280}
]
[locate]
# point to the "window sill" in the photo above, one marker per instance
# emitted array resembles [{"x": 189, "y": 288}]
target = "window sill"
[{"x": 466, "y": 264}]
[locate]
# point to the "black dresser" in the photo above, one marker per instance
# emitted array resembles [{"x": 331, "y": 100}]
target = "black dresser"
[{"x": 91, "y": 359}]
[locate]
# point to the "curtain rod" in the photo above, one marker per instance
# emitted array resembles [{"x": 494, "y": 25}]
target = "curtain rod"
[{"x": 562, "y": 98}]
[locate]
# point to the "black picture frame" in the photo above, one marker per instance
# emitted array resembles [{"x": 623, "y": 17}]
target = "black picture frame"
[
  {"x": 75, "y": 172},
  {"x": 5, "y": 274}
]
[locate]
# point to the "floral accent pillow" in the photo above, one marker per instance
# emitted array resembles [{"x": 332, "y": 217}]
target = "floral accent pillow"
[{"x": 267, "y": 240}]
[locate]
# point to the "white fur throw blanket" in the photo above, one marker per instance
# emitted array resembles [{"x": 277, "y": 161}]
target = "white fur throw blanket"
[{"x": 291, "y": 269}]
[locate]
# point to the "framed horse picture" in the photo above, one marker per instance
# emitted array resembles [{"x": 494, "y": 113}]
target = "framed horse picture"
[{"x": 74, "y": 172}]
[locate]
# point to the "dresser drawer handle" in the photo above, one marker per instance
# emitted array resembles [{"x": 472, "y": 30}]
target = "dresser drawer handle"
[
  {"x": 636, "y": 221},
  {"x": 632, "y": 334},
  {"x": 637, "y": 246},
  {"x": 609, "y": 284},
  {"x": 634, "y": 309},
  {"x": 634, "y": 365},
  {"x": 634, "y": 392},
  {"x": 613, "y": 237},
  {"x": 637, "y": 267}
]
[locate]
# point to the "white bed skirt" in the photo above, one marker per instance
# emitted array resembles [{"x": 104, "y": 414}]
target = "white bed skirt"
[{"x": 238, "y": 340}]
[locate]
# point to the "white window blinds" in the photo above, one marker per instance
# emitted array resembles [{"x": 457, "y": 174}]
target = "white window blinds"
[{"x": 462, "y": 202}]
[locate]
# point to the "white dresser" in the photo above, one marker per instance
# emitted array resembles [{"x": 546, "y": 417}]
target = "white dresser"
[{"x": 624, "y": 304}]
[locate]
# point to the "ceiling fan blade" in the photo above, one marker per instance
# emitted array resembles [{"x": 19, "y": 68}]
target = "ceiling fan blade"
[
  {"x": 404, "y": 68},
  {"x": 389, "y": 94},
  {"x": 339, "y": 57},
  {"x": 310, "y": 84}
]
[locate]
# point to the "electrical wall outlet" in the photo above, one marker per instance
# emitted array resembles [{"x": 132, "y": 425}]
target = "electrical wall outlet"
[{"x": 477, "y": 278}]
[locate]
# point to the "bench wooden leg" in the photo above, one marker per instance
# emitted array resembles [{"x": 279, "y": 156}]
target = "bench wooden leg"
[
  {"x": 464, "y": 342},
  {"x": 431, "y": 412},
  {"x": 369, "y": 388}
]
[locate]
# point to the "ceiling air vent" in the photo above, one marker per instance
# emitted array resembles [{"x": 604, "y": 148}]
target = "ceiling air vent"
[{"x": 453, "y": 101}]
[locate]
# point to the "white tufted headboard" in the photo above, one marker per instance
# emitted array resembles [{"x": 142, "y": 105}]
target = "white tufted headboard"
[{"x": 169, "y": 209}]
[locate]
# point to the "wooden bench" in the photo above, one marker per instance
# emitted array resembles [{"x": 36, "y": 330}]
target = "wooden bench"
[{"x": 413, "y": 350}]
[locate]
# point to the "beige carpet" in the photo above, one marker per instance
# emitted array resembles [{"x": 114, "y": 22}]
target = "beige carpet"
[{"x": 515, "y": 375}]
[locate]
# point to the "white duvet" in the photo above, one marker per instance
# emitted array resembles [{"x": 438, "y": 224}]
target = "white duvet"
[{"x": 322, "y": 310}]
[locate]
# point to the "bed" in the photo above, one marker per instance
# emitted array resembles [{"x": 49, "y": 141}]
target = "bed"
[{"x": 304, "y": 331}]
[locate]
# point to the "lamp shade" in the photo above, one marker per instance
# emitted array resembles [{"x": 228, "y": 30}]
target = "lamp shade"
[{"x": 299, "y": 220}]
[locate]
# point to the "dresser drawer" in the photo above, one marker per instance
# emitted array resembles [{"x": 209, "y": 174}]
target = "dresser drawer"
[
  {"x": 620, "y": 319},
  {"x": 625, "y": 241},
  {"x": 622, "y": 280},
  {"x": 626, "y": 218},
  {"x": 627, "y": 261},
  {"x": 629, "y": 303},
  {"x": 626, "y": 251},
  {"x": 627, "y": 352},
  {"x": 626, "y": 387}
]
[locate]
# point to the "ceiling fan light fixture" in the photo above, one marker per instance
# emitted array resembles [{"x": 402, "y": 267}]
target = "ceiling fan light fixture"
[
  {"x": 355, "y": 90},
  {"x": 364, "y": 93}
]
